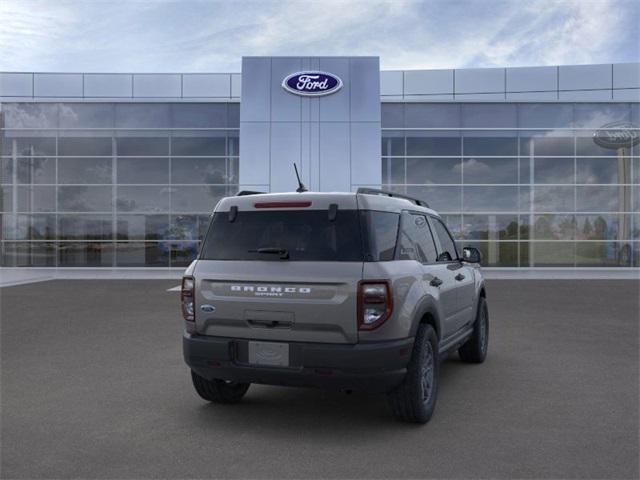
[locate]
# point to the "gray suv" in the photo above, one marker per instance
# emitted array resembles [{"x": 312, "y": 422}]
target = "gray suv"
[{"x": 353, "y": 291}]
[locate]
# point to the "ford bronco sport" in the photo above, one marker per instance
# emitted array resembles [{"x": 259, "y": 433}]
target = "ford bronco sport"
[{"x": 354, "y": 291}]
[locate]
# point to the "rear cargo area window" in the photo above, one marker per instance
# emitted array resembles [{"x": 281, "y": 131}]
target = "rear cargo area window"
[{"x": 284, "y": 235}]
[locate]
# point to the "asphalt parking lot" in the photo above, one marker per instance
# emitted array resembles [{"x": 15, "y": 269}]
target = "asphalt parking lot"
[{"x": 94, "y": 386}]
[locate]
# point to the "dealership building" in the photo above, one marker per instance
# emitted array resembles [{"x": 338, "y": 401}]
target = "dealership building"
[{"x": 537, "y": 166}]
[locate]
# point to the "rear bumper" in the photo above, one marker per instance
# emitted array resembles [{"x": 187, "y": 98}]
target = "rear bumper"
[{"x": 370, "y": 367}]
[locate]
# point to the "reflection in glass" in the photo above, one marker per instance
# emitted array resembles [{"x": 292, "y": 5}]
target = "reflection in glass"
[
  {"x": 36, "y": 170},
  {"x": 84, "y": 199},
  {"x": 41, "y": 146},
  {"x": 142, "y": 115},
  {"x": 142, "y": 146},
  {"x": 142, "y": 227},
  {"x": 489, "y": 115},
  {"x": 604, "y": 226},
  {"x": 392, "y": 144},
  {"x": 553, "y": 199},
  {"x": 91, "y": 254},
  {"x": 490, "y": 146},
  {"x": 603, "y": 170},
  {"x": 36, "y": 198},
  {"x": 143, "y": 199},
  {"x": 424, "y": 115},
  {"x": 490, "y": 170},
  {"x": 199, "y": 170},
  {"x": 422, "y": 145},
  {"x": 603, "y": 254},
  {"x": 86, "y": 115},
  {"x": 148, "y": 254},
  {"x": 496, "y": 254},
  {"x": 454, "y": 224},
  {"x": 490, "y": 199},
  {"x": 28, "y": 227},
  {"x": 554, "y": 227},
  {"x": 434, "y": 170},
  {"x": 84, "y": 170},
  {"x": 36, "y": 254},
  {"x": 542, "y": 144},
  {"x": 182, "y": 253},
  {"x": 442, "y": 199},
  {"x": 85, "y": 227},
  {"x": 143, "y": 170},
  {"x": 603, "y": 198},
  {"x": 200, "y": 115},
  {"x": 553, "y": 170},
  {"x": 490, "y": 227},
  {"x": 198, "y": 145},
  {"x": 30, "y": 115},
  {"x": 393, "y": 171},
  {"x": 551, "y": 254},
  {"x": 196, "y": 199},
  {"x": 85, "y": 146}
]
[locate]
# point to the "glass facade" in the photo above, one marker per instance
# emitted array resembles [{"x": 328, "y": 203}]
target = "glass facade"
[
  {"x": 113, "y": 184},
  {"x": 525, "y": 183},
  {"x": 133, "y": 184}
]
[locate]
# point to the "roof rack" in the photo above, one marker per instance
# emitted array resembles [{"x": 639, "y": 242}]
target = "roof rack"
[
  {"x": 243, "y": 193},
  {"x": 375, "y": 191}
]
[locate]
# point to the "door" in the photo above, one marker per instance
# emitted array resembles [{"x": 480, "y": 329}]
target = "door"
[
  {"x": 462, "y": 276},
  {"x": 416, "y": 243}
]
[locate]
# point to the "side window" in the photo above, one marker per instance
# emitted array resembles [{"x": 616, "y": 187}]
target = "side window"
[
  {"x": 380, "y": 230},
  {"x": 447, "y": 250},
  {"x": 415, "y": 240}
]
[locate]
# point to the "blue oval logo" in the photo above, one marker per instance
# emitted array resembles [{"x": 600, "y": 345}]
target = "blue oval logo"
[
  {"x": 312, "y": 83},
  {"x": 208, "y": 308},
  {"x": 617, "y": 135}
]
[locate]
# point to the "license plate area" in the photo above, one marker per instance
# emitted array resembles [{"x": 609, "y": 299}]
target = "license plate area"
[{"x": 269, "y": 354}]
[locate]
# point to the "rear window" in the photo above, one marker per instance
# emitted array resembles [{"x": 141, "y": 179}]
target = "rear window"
[{"x": 306, "y": 235}]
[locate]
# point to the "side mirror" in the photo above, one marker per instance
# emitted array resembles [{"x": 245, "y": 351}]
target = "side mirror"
[{"x": 471, "y": 255}]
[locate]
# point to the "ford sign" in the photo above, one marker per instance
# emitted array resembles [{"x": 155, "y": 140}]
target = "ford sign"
[
  {"x": 617, "y": 135},
  {"x": 312, "y": 83}
]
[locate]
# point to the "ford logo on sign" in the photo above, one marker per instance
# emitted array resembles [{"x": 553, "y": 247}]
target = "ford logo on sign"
[
  {"x": 617, "y": 135},
  {"x": 312, "y": 84}
]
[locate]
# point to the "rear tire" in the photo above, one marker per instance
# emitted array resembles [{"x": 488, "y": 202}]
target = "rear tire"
[
  {"x": 475, "y": 349},
  {"x": 219, "y": 391},
  {"x": 415, "y": 398}
]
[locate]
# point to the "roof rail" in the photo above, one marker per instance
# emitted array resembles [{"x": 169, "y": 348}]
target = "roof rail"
[
  {"x": 243, "y": 193},
  {"x": 375, "y": 191}
]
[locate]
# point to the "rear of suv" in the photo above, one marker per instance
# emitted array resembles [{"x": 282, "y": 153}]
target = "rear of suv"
[{"x": 353, "y": 291}]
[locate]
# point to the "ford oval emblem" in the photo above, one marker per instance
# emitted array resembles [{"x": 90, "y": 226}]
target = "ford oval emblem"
[
  {"x": 617, "y": 135},
  {"x": 208, "y": 308},
  {"x": 312, "y": 83}
]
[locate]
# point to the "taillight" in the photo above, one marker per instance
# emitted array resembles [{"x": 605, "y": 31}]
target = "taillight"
[
  {"x": 187, "y": 298},
  {"x": 375, "y": 303}
]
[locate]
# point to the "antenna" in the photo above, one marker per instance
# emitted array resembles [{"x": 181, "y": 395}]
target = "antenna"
[{"x": 301, "y": 188}]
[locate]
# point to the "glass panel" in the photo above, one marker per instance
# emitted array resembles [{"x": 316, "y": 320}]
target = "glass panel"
[
  {"x": 525, "y": 226},
  {"x": 496, "y": 254},
  {"x": 142, "y": 146},
  {"x": 434, "y": 170},
  {"x": 490, "y": 170},
  {"x": 553, "y": 170},
  {"x": 597, "y": 115},
  {"x": 392, "y": 144},
  {"x": 380, "y": 231},
  {"x": 85, "y": 227},
  {"x": 85, "y": 254},
  {"x": 604, "y": 227},
  {"x": 490, "y": 199},
  {"x": 40, "y": 146},
  {"x": 551, "y": 254},
  {"x": 545, "y": 115},
  {"x": 635, "y": 232},
  {"x": 603, "y": 254},
  {"x": 37, "y": 254},
  {"x": 142, "y": 115},
  {"x": 423, "y": 144},
  {"x": 586, "y": 146},
  {"x": 233, "y": 143},
  {"x": 490, "y": 227},
  {"x": 199, "y": 115},
  {"x": 602, "y": 198},
  {"x": 142, "y": 254},
  {"x": 415, "y": 241},
  {"x": 525, "y": 169},
  {"x": 84, "y": 146},
  {"x": 36, "y": 170},
  {"x": 84, "y": 199},
  {"x": 143, "y": 227},
  {"x": 393, "y": 171},
  {"x": 28, "y": 227},
  {"x": 199, "y": 170},
  {"x": 30, "y": 115},
  {"x": 489, "y": 115},
  {"x": 143, "y": 170},
  {"x": 603, "y": 170},
  {"x": 392, "y": 115},
  {"x": 442, "y": 199},
  {"x": 233, "y": 115},
  {"x": 636, "y": 169},
  {"x": 426, "y": 115},
  {"x": 84, "y": 170},
  {"x": 542, "y": 144},
  {"x": 36, "y": 199},
  {"x": 143, "y": 199},
  {"x": 182, "y": 253},
  {"x": 196, "y": 199},
  {"x": 454, "y": 224},
  {"x": 82, "y": 115},
  {"x": 490, "y": 146},
  {"x": 554, "y": 227},
  {"x": 199, "y": 145},
  {"x": 6, "y": 170},
  {"x": 6, "y": 199},
  {"x": 553, "y": 199},
  {"x": 188, "y": 227},
  {"x": 447, "y": 245}
]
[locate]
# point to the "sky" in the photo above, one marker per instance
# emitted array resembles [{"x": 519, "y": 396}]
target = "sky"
[{"x": 212, "y": 36}]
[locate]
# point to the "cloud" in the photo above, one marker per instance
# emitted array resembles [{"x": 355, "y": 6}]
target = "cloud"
[{"x": 195, "y": 35}]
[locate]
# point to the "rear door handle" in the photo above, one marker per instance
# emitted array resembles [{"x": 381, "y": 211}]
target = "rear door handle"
[
  {"x": 436, "y": 282},
  {"x": 459, "y": 277}
]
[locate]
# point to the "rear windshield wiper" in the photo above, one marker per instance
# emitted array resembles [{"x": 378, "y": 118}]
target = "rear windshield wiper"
[{"x": 283, "y": 252}]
